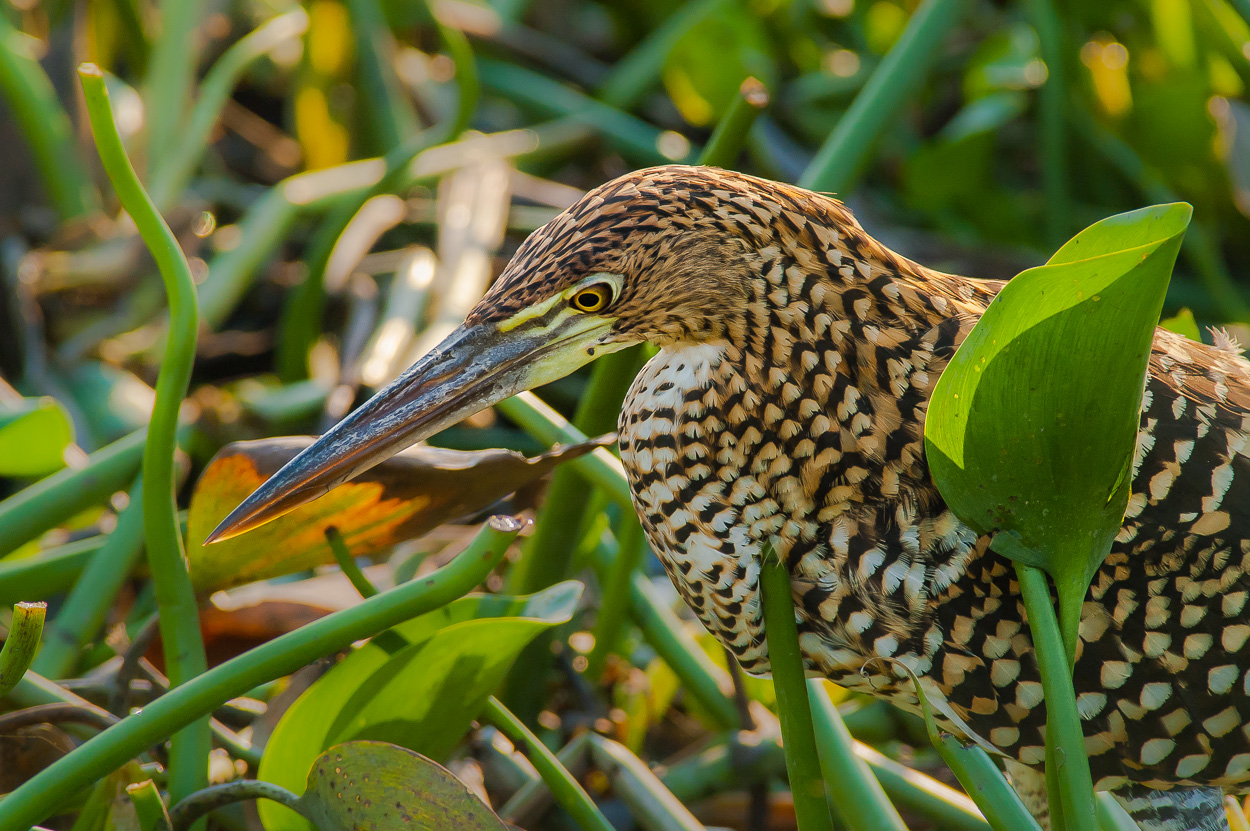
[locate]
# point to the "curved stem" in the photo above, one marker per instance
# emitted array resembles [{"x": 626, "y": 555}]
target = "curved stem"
[
  {"x": 44, "y": 794},
  {"x": 61, "y": 713},
  {"x": 565, "y": 789},
  {"x": 202, "y": 802},
  {"x": 348, "y": 564},
  {"x": 175, "y": 598}
]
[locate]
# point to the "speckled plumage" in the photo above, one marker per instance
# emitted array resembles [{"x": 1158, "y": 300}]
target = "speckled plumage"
[{"x": 787, "y": 405}]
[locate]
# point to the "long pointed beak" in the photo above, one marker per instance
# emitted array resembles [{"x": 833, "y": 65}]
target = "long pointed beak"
[{"x": 475, "y": 367}]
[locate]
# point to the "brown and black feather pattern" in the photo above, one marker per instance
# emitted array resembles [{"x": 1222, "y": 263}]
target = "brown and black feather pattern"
[{"x": 787, "y": 405}]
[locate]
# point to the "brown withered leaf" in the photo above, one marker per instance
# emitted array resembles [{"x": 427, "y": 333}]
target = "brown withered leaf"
[{"x": 404, "y": 497}]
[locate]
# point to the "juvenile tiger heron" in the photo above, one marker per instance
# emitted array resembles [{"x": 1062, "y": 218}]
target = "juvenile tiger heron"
[{"x": 786, "y": 406}]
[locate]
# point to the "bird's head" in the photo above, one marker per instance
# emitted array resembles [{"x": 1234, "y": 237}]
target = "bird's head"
[{"x": 645, "y": 257}]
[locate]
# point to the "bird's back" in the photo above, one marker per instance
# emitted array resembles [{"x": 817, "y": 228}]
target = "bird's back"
[{"x": 803, "y": 429}]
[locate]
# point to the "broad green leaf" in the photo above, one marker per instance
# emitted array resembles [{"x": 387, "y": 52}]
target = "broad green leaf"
[
  {"x": 1032, "y": 426},
  {"x": 404, "y": 497},
  {"x": 34, "y": 433},
  {"x": 418, "y": 685},
  {"x": 376, "y": 786}
]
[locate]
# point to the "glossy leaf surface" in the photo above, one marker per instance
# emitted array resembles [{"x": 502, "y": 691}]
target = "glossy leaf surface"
[
  {"x": 418, "y": 685},
  {"x": 1032, "y": 426},
  {"x": 34, "y": 433},
  {"x": 376, "y": 786}
]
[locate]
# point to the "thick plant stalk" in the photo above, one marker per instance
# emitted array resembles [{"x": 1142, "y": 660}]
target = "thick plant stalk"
[
  {"x": 175, "y": 598},
  {"x": 43, "y": 794},
  {"x": 811, "y": 807},
  {"x": 854, "y": 793},
  {"x": 1066, "y": 762}
]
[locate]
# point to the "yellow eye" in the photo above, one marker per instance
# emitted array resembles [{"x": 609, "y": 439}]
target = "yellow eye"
[{"x": 592, "y": 298}]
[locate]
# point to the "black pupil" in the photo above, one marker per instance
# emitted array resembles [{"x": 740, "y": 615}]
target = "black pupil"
[{"x": 591, "y": 300}]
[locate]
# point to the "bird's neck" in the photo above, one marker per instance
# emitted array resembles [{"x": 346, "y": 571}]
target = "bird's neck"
[{"x": 826, "y": 288}]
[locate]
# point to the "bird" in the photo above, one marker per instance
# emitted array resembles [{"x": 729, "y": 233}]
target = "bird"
[{"x": 785, "y": 409}]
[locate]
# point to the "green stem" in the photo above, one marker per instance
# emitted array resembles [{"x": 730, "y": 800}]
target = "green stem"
[
  {"x": 730, "y": 135},
  {"x": 614, "y": 606},
  {"x": 47, "y": 573},
  {"x": 45, "y": 125},
  {"x": 984, "y": 783},
  {"x": 348, "y": 564},
  {"x": 811, "y": 806},
  {"x": 896, "y": 76},
  {"x": 171, "y": 75},
  {"x": 84, "y": 611},
  {"x": 661, "y": 628},
  {"x": 723, "y": 766},
  {"x": 20, "y": 644},
  {"x": 549, "y": 552},
  {"x": 663, "y": 631},
  {"x": 634, "y": 74},
  {"x": 1051, "y": 113},
  {"x": 566, "y": 790},
  {"x": 388, "y": 111},
  {"x": 633, "y": 138},
  {"x": 1112, "y": 817},
  {"x": 854, "y": 793},
  {"x": 43, "y": 794},
  {"x": 175, "y": 597},
  {"x": 600, "y": 468},
  {"x": 178, "y": 162},
  {"x": 56, "y": 498},
  {"x": 203, "y": 802},
  {"x": 149, "y": 807},
  {"x": 299, "y": 326},
  {"x": 1065, "y": 742}
]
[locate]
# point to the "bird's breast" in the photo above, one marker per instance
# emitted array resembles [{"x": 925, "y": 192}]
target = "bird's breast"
[{"x": 695, "y": 497}]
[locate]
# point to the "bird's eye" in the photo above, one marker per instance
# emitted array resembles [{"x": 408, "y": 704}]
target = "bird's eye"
[{"x": 592, "y": 298}]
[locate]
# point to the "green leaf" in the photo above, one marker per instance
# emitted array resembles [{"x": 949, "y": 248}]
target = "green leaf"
[
  {"x": 1032, "y": 426},
  {"x": 1183, "y": 323},
  {"x": 34, "y": 433},
  {"x": 376, "y": 786},
  {"x": 418, "y": 685}
]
